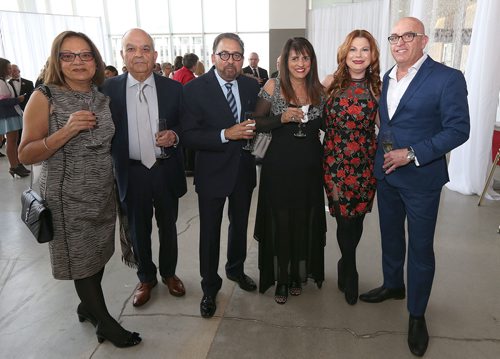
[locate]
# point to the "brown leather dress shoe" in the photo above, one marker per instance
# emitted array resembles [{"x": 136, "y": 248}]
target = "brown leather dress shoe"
[
  {"x": 175, "y": 286},
  {"x": 143, "y": 293}
]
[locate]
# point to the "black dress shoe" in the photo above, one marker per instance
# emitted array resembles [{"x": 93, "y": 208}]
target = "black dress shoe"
[
  {"x": 418, "y": 337},
  {"x": 244, "y": 281},
  {"x": 207, "y": 306},
  {"x": 380, "y": 294}
]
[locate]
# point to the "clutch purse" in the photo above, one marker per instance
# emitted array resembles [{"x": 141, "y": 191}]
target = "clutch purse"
[
  {"x": 261, "y": 144},
  {"x": 36, "y": 214}
]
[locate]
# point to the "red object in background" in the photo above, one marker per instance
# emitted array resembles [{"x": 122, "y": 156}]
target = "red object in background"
[{"x": 495, "y": 145}]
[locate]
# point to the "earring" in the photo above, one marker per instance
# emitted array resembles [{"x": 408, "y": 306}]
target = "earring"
[{"x": 370, "y": 69}]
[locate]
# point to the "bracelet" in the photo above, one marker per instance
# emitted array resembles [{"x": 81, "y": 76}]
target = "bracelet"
[{"x": 45, "y": 144}]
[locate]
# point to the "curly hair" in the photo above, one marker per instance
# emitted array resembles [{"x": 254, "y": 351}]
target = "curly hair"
[{"x": 342, "y": 77}]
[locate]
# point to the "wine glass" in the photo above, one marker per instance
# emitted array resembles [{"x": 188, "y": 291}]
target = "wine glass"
[
  {"x": 248, "y": 116},
  {"x": 300, "y": 133},
  {"x": 385, "y": 138},
  {"x": 162, "y": 126},
  {"x": 89, "y": 106}
]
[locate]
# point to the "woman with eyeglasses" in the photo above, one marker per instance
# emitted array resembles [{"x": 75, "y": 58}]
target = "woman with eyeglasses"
[
  {"x": 77, "y": 177},
  {"x": 290, "y": 221},
  {"x": 350, "y": 115}
]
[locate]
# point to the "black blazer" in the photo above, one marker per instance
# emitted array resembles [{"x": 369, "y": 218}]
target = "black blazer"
[
  {"x": 169, "y": 93},
  {"x": 262, "y": 73},
  {"x": 206, "y": 112},
  {"x": 26, "y": 88}
]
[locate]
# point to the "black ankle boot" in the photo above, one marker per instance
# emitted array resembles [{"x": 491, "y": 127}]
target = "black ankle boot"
[
  {"x": 128, "y": 339},
  {"x": 85, "y": 315}
]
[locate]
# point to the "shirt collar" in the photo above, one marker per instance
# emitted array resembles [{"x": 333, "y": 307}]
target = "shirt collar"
[
  {"x": 413, "y": 68},
  {"x": 223, "y": 82},
  {"x": 131, "y": 81}
]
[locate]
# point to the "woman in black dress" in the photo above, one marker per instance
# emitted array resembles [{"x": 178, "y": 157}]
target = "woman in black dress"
[{"x": 290, "y": 224}]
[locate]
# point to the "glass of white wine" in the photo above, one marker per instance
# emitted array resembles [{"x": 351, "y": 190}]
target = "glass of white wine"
[{"x": 386, "y": 139}]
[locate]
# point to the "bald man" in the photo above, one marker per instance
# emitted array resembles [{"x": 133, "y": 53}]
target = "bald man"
[
  {"x": 253, "y": 69},
  {"x": 424, "y": 106}
]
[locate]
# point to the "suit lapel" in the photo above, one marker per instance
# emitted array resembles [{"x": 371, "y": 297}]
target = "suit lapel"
[
  {"x": 219, "y": 97},
  {"x": 415, "y": 84},
  {"x": 384, "y": 112}
]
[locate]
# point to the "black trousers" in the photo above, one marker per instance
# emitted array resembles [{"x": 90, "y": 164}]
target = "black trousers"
[{"x": 148, "y": 190}]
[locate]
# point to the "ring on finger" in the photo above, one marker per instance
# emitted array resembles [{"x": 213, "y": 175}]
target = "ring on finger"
[{"x": 293, "y": 118}]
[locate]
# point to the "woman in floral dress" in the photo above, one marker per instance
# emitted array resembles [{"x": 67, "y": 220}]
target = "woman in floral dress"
[{"x": 350, "y": 115}]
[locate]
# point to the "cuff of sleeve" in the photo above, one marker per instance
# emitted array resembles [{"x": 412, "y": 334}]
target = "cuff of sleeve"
[{"x": 222, "y": 138}]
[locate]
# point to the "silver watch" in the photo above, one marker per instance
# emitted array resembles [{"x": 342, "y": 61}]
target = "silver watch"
[{"x": 411, "y": 154}]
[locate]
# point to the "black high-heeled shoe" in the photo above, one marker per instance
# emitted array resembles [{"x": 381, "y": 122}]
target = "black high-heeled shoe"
[
  {"x": 340, "y": 275},
  {"x": 295, "y": 288},
  {"x": 281, "y": 293},
  {"x": 84, "y": 315},
  {"x": 18, "y": 171},
  {"x": 130, "y": 340}
]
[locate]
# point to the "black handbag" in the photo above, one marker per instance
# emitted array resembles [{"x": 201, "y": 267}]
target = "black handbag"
[{"x": 36, "y": 214}]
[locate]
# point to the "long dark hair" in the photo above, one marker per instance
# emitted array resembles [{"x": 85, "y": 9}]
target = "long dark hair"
[
  {"x": 4, "y": 63},
  {"x": 314, "y": 88},
  {"x": 342, "y": 77}
]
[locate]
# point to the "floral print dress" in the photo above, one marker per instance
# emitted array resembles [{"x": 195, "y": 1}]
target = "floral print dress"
[{"x": 349, "y": 149}]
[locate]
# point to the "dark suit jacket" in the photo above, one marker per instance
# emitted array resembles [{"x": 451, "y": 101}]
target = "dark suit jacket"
[
  {"x": 206, "y": 113},
  {"x": 432, "y": 118},
  {"x": 26, "y": 88},
  {"x": 262, "y": 73},
  {"x": 169, "y": 93}
]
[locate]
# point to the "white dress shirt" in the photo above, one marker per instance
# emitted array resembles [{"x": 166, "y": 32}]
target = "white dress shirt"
[
  {"x": 236, "y": 94},
  {"x": 396, "y": 88}
]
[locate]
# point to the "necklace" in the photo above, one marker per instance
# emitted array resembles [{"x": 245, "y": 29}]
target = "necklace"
[{"x": 89, "y": 102}]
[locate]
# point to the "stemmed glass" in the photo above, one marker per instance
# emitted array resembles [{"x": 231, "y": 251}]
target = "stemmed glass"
[
  {"x": 248, "y": 116},
  {"x": 300, "y": 133},
  {"x": 386, "y": 140},
  {"x": 89, "y": 106},
  {"x": 162, "y": 126}
]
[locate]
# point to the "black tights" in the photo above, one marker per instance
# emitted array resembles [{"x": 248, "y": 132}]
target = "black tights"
[
  {"x": 89, "y": 291},
  {"x": 349, "y": 231}
]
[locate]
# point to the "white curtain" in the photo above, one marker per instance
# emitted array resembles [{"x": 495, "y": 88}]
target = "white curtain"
[
  {"x": 26, "y": 38},
  {"x": 469, "y": 163},
  {"x": 328, "y": 27}
]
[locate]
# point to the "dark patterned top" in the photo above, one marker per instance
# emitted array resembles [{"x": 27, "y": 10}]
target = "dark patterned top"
[
  {"x": 349, "y": 149},
  {"x": 78, "y": 184}
]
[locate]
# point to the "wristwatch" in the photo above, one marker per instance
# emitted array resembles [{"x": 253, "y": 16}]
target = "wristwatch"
[{"x": 411, "y": 154}]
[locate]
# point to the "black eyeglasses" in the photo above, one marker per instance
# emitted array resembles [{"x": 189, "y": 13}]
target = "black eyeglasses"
[
  {"x": 224, "y": 56},
  {"x": 71, "y": 56},
  {"x": 406, "y": 37}
]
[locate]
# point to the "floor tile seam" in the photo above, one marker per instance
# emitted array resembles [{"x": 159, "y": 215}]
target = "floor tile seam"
[
  {"x": 361, "y": 336},
  {"x": 6, "y": 273},
  {"x": 188, "y": 225}
]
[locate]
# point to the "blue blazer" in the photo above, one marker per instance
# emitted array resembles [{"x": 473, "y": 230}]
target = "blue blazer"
[
  {"x": 169, "y": 93},
  {"x": 432, "y": 118},
  {"x": 206, "y": 112}
]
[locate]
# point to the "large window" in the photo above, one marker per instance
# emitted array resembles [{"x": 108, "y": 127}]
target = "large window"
[{"x": 178, "y": 27}]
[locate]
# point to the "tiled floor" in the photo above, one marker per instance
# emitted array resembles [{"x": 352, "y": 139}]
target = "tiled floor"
[{"x": 38, "y": 320}]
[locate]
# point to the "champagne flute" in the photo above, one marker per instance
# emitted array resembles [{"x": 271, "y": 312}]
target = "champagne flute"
[
  {"x": 162, "y": 126},
  {"x": 248, "y": 116},
  {"x": 89, "y": 106},
  {"x": 385, "y": 138},
  {"x": 300, "y": 133}
]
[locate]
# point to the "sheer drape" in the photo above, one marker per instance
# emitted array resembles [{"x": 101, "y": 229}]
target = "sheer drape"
[
  {"x": 470, "y": 162},
  {"x": 25, "y": 38},
  {"x": 328, "y": 27}
]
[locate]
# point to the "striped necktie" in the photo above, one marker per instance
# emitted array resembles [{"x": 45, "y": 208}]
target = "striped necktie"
[
  {"x": 255, "y": 72},
  {"x": 232, "y": 101}
]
